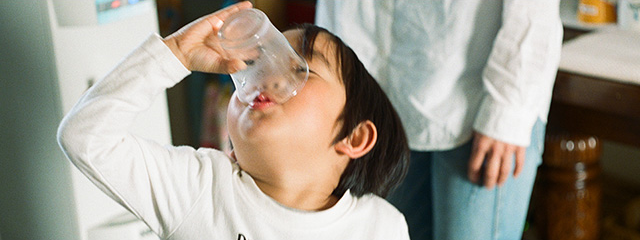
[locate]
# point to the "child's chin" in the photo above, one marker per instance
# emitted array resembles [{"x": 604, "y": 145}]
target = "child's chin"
[{"x": 263, "y": 133}]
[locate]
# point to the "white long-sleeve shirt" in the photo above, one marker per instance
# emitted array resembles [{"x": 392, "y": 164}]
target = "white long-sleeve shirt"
[
  {"x": 184, "y": 193},
  {"x": 454, "y": 66}
]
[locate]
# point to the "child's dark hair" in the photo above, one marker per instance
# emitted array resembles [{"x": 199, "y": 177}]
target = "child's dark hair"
[{"x": 385, "y": 166}]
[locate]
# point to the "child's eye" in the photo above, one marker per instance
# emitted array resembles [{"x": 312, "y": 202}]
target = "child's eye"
[{"x": 302, "y": 69}]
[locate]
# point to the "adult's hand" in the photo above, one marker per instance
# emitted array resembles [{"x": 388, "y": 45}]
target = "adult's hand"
[
  {"x": 497, "y": 158},
  {"x": 196, "y": 45}
]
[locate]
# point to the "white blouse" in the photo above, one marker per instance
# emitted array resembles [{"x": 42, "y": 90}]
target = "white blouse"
[{"x": 454, "y": 66}]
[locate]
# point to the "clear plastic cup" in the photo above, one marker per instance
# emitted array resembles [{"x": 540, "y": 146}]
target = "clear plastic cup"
[{"x": 274, "y": 70}]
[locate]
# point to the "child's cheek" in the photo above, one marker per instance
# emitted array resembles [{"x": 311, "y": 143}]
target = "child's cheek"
[
  {"x": 233, "y": 110},
  {"x": 319, "y": 108}
]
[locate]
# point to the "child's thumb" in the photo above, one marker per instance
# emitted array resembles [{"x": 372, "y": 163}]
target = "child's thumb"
[{"x": 235, "y": 65}]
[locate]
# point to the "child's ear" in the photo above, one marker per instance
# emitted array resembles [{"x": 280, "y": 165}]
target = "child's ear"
[{"x": 360, "y": 141}]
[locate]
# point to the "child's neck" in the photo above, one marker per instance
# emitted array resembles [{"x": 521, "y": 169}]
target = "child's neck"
[
  {"x": 298, "y": 197},
  {"x": 305, "y": 185}
]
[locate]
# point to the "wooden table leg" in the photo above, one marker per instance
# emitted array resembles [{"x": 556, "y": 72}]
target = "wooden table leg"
[{"x": 568, "y": 194}]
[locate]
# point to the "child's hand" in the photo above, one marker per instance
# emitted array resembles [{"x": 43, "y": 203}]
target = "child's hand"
[{"x": 197, "y": 45}]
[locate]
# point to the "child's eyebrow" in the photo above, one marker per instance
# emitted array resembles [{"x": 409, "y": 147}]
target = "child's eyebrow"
[{"x": 324, "y": 60}]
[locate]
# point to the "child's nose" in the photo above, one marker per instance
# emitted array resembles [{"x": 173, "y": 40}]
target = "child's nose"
[{"x": 273, "y": 83}]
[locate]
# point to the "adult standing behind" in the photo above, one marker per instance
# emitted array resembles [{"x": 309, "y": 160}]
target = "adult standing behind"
[{"x": 472, "y": 82}]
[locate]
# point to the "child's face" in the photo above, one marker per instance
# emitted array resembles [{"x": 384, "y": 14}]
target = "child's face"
[{"x": 306, "y": 124}]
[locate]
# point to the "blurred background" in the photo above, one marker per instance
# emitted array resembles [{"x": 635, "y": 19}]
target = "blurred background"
[{"x": 51, "y": 51}]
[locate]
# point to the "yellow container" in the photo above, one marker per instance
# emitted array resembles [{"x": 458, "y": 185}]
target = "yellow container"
[{"x": 596, "y": 11}]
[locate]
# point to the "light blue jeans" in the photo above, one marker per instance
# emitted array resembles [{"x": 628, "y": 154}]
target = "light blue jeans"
[{"x": 439, "y": 202}]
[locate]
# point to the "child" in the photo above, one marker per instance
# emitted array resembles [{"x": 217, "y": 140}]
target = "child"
[{"x": 314, "y": 167}]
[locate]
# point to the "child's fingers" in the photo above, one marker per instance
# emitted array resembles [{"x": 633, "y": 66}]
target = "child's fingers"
[
  {"x": 235, "y": 65},
  {"x": 217, "y": 18},
  {"x": 220, "y": 65}
]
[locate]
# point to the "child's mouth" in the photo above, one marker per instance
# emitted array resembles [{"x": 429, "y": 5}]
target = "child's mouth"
[{"x": 262, "y": 101}]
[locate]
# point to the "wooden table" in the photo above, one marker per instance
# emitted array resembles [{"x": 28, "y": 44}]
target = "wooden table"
[{"x": 594, "y": 106}]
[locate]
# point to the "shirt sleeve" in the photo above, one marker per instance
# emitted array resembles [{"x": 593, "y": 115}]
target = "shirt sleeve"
[
  {"x": 404, "y": 230},
  {"x": 158, "y": 184},
  {"x": 520, "y": 71}
]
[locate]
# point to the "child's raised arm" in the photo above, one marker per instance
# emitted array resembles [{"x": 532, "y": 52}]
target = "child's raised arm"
[{"x": 158, "y": 184}]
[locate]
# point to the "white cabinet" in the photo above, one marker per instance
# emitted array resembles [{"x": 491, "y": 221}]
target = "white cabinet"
[{"x": 51, "y": 51}]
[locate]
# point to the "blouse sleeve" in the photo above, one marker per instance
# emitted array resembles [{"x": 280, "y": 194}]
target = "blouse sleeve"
[{"x": 521, "y": 69}]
